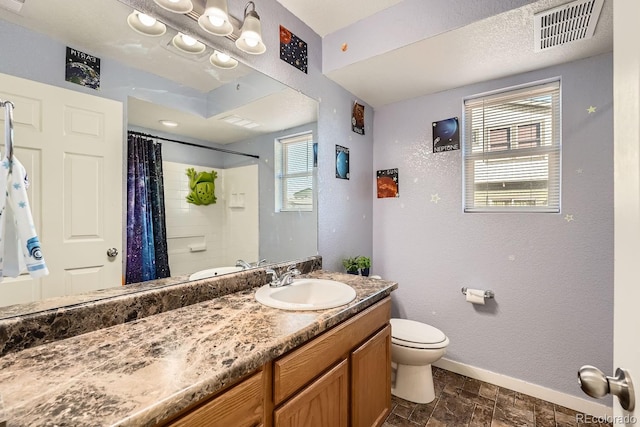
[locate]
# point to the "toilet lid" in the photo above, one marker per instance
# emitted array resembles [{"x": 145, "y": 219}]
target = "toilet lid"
[{"x": 415, "y": 334}]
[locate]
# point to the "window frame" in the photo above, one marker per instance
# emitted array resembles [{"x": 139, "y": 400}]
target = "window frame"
[
  {"x": 534, "y": 148},
  {"x": 281, "y": 151}
]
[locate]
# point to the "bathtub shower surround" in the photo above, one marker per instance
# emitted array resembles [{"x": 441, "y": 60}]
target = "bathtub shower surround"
[{"x": 200, "y": 235}]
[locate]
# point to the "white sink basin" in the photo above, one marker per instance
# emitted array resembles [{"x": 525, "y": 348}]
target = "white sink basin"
[
  {"x": 306, "y": 294},
  {"x": 212, "y": 272}
]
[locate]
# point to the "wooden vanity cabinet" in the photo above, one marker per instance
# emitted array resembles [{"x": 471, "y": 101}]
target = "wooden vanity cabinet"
[
  {"x": 371, "y": 380},
  {"x": 342, "y": 378},
  {"x": 311, "y": 383},
  {"x": 323, "y": 403},
  {"x": 242, "y": 405}
]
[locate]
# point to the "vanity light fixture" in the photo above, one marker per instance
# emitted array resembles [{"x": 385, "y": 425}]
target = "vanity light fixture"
[
  {"x": 176, "y": 6},
  {"x": 215, "y": 19},
  {"x": 188, "y": 44},
  {"x": 145, "y": 24},
  {"x": 169, "y": 123},
  {"x": 222, "y": 60},
  {"x": 250, "y": 40}
]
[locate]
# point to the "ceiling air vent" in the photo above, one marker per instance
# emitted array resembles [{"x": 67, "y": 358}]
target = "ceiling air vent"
[{"x": 567, "y": 23}]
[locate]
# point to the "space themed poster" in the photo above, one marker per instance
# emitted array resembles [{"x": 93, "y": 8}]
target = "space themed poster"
[
  {"x": 82, "y": 68},
  {"x": 342, "y": 162},
  {"x": 387, "y": 183},
  {"x": 446, "y": 135},
  {"x": 293, "y": 50},
  {"x": 357, "y": 118}
]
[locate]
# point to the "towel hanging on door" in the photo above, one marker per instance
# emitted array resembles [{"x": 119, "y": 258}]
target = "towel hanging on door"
[{"x": 19, "y": 243}]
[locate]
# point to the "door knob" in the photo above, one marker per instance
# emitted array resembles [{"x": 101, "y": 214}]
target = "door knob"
[
  {"x": 112, "y": 252},
  {"x": 596, "y": 384}
]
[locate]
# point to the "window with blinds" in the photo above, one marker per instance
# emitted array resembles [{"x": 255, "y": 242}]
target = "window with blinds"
[
  {"x": 512, "y": 150},
  {"x": 294, "y": 172}
]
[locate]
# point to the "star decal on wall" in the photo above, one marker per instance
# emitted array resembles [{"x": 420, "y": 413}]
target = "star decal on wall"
[
  {"x": 579, "y": 171},
  {"x": 435, "y": 198},
  {"x": 568, "y": 218},
  {"x": 591, "y": 109}
]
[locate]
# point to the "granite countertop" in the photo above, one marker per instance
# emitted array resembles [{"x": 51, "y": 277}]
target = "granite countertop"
[{"x": 142, "y": 372}]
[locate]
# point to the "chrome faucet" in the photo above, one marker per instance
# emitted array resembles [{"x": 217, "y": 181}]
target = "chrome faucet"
[
  {"x": 285, "y": 279},
  {"x": 242, "y": 263}
]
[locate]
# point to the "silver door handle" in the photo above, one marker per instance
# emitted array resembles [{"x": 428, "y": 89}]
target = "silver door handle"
[
  {"x": 112, "y": 252},
  {"x": 596, "y": 384}
]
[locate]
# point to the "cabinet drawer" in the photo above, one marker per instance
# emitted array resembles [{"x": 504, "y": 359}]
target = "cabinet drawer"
[
  {"x": 242, "y": 406},
  {"x": 293, "y": 371}
]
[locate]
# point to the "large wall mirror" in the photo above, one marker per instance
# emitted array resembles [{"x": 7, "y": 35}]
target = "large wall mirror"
[{"x": 228, "y": 120}]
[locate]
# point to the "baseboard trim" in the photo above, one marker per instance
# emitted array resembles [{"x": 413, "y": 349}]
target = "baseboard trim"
[{"x": 568, "y": 401}]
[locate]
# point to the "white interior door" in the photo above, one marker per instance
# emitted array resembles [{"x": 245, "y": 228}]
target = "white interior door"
[
  {"x": 626, "y": 112},
  {"x": 71, "y": 145}
]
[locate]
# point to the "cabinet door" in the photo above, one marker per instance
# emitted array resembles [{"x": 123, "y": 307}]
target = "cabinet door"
[
  {"x": 325, "y": 402},
  {"x": 371, "y": 380},
  {"x": 240, "y": 406},
  {"x": 296, "y": 369}
]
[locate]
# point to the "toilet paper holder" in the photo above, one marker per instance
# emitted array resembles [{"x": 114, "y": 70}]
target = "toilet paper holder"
[{"x": 487, "y": 294}]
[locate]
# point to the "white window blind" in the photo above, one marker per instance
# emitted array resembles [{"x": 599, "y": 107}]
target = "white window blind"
[
  {"x": 294, "y": 173},
  {"x": 512, "y": 150}
]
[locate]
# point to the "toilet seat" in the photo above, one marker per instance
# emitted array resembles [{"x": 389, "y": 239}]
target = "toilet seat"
[{"x": 412, "y": 334}]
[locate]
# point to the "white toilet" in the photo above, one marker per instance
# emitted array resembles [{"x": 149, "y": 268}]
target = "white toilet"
[{"x": 414, "y": 347}]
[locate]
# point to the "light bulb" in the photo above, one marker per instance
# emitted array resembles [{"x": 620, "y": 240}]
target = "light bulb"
[
  {"x": 174, "y": 1},
  {"x": 216, "y": 21},
  {"x": 188, "y": 40},
  {"x": 146, "y": 20},
  {"x": 223, "y": 57},
  {"x": 251, "y": 39}
]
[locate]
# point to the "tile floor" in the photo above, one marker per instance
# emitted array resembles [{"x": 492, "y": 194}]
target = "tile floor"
[{"x": 466, "y": 402}]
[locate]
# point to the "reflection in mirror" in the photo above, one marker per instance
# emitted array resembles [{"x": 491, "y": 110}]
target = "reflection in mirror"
[{"x": 150, "y": 80}]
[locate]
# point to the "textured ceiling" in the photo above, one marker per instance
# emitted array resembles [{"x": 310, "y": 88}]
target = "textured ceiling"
[
  {"x": 100, "y": 27},
  {"x": 327, "y": 16},
  {"x": 490, "y": 48}
]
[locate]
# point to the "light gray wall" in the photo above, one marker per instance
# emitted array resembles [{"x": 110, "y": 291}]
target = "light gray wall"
[
  {"x": 553, "y": 279},
  {"x": 344, "y": 207},
  {"x": 283, "y": 235}
]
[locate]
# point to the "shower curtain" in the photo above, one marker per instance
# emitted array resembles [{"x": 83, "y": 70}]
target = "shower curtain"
[{"x": 147, "y": 256}]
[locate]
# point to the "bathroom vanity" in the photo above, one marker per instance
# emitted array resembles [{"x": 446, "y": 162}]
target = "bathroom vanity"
[
  {"x": 313, "y": 381},
  {"x": 228, "y": 360}
]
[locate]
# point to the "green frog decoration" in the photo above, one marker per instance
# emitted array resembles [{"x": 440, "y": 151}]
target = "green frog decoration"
[{"x": 203, "y": 187}]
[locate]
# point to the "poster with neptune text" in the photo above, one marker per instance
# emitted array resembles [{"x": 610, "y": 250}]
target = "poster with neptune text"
[
  {"x": 342, "y": 162},
  {"x": 446, "y": 135}
]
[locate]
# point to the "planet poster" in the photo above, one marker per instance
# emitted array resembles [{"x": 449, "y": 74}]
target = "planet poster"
[
  {"x": 446, "y": 135},
  {"x": 293, "y": 51},
  {"x": 82, "y": 69},
  {"x": 342, "y": 162},
  {"x": 357, "y": 118},
  {"x": 387, "y": 183}
]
